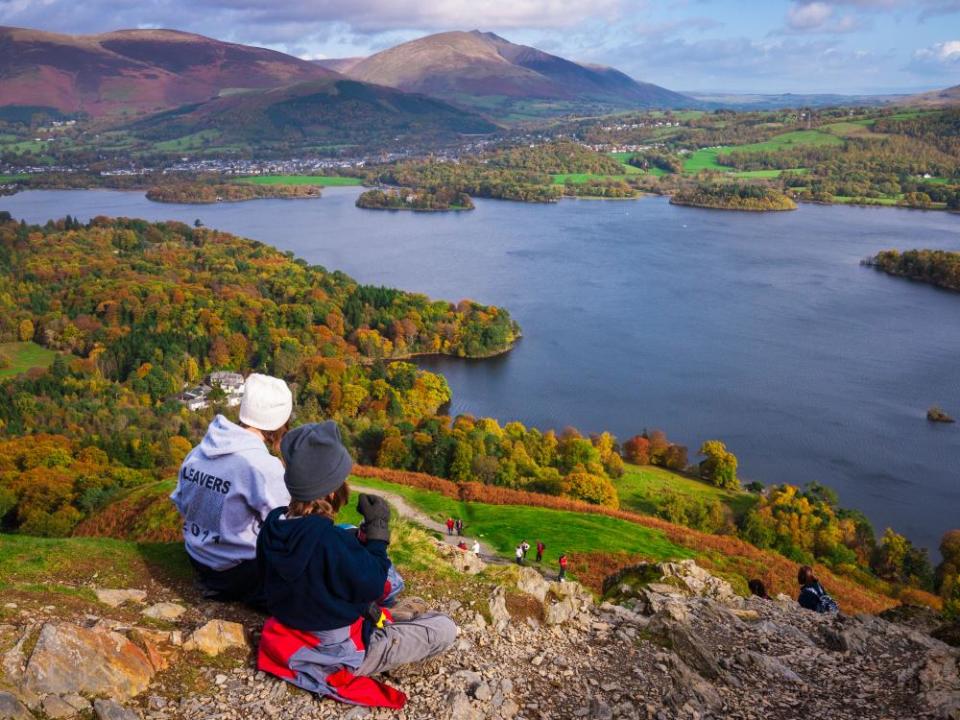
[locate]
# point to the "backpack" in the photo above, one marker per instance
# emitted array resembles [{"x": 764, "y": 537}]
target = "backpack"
[{"x": 825, "y": 603}]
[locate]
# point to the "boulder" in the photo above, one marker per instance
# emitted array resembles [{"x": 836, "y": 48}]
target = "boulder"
[
  {"x": 938, "y": 679},
  {"x": 116, "y": 598},
  {"x": 165, "y": 611},
  {"x": 71, "y": 659},
  {"x": 532, "y": 583},
  {"x": 157, "y": 645},
  {"x": 217, "y": 636},
  {"x": 462, "y": 560},
  {"x": 15, "y": 659},
  {"x": 12, "y": 709},
  {"x": 112, "y": 710}
]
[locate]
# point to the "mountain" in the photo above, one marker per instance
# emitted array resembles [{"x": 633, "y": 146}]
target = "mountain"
[
  {"x": 936, "y": 98},
  {"x": 135, "y": 71},
  {"x": 486, "y": 72},
  {"x": 335, "y": 111}
]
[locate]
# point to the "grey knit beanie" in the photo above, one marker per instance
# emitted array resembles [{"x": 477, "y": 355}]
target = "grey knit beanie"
[{"x": 317, "y": 462}]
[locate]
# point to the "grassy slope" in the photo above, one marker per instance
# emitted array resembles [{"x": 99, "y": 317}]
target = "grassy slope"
[
  {"x": 644, "y": 488},
  {"x": 24, "y": 356},
  {"x": 504, "y": 526},
  {"x": 322, "y": 180},
  {"x": 598, "y": 544}
]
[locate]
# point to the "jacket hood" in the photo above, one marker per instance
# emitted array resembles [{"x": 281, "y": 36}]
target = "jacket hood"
[
  {"x": 289, "y": 545},
  {"x": 224, "y": 438}
]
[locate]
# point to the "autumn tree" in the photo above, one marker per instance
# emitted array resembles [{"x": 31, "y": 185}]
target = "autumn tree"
[{"x": 719, "y": 465}]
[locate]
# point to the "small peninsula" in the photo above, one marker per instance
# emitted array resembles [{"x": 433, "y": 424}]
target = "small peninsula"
[
  {"x": 733, "y": 196},
  {"x": 200, "y": 193},
  {"x": 936, "y": 267}
]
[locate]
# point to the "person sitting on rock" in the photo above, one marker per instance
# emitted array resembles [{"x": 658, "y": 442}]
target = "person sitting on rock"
[
  {"x": 758, "y": 589},
  {"x": 328, "y": 589},
  {"x": 812, "y": 595},
  {"x": 462, "y": 545},
  {"x": 227, "y": 486}
]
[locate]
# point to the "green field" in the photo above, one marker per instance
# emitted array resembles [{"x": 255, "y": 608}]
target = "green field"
[
  {"x": 583, "y": 178},
  {"x": 706, "y": 158},
  {"x": 188, "y": 142},
  {"x": 21, "y": 356},
  {"x": 504, "y": 526},
  {"x": 645, "y": 488},
  {"x": 321, "y": 180}
]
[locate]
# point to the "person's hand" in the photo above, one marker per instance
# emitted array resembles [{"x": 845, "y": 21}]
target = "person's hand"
[{"x": 376, "y": 517}]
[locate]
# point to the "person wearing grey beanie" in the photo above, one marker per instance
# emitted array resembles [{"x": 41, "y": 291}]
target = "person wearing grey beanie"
[{"x": 336, "y": 583}]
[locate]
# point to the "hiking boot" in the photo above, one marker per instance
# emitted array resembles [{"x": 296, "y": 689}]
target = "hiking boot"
[{"x": 408, "y": 608}]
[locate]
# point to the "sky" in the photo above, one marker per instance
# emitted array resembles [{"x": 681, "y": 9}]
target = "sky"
[{"x": 759, "y": 46}]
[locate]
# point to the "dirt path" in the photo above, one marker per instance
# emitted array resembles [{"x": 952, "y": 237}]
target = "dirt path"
[{"x": 408, "y": 511}]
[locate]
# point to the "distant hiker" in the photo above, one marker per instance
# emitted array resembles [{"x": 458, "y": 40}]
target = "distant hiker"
[
  {"x": 327, "y": 588},
  {"x": 812, "y": 595},
  {"x": 519, "y": 554},
  {"x": 526, "y": 548},
  {"x": 540, "y": 548},
  {"x": 758, "y": 589},
  {"x": 462, "y": 545},
  {"x": 476, "y": 548},
  {"x": 563, "y": 567},
  {"x": 227, "y": 486},
  {"x": 459, "y": 525},
  {"x": 450, "y": 525}
]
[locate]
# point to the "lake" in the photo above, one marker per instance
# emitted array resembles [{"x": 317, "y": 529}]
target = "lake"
[{"x": 762, "y": 330}]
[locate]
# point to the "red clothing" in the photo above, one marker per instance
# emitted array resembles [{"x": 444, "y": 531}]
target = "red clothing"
[
  {"x": 563, "y": 561},
  {"x": 449, "y": 524}
]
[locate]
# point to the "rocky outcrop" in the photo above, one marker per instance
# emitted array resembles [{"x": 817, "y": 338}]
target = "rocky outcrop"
[
  {"x": 116, "y": 598},
  {"x": 682, "y": 646},
  {"x": 462, "y": 560}
]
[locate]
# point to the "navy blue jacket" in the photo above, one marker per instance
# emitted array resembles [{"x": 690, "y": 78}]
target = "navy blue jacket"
[{"x": 317, "y": 576}]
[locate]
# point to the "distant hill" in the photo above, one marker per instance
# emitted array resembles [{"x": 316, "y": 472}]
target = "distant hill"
[
  {"x": 776, "y": 101},
  {"x": 485, "y": 72},
  {"x": 135, "y": 71},
  {"x": 334, "y": 111},
  {"x": 936, "y": 98}
]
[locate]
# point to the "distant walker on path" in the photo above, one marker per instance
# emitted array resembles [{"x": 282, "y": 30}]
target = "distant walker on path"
[
  {"x": 563, "y": 567},
  {"x": 540, "y": 548}
]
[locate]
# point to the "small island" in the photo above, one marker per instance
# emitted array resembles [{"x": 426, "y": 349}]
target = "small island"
[
  {"x": 936, "y": 267},
  {"x": 938, "y": 415},
  {"x": 438, "y": 200},
  {"x": 733, "y": 196},
  {"x": 201, "y": 193}
]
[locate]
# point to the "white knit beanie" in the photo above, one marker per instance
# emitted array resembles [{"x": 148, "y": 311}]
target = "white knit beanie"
[{"x": 267, "y": 402}]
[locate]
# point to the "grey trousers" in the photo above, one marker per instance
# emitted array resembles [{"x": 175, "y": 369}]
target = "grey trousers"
[{"x": 407, "y": 642}]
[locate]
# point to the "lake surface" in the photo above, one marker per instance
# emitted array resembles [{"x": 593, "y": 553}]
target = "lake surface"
[{"x": 758, "y": 329}]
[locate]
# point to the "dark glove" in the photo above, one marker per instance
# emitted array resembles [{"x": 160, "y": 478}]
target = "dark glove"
[{"x": 376, "y": 517}]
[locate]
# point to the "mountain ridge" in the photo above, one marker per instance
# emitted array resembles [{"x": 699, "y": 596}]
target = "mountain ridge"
[
  {"x": 135, "y": 71},
  {"x": 476, "y": 69}
]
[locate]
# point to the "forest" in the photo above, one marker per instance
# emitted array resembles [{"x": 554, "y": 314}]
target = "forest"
[
  {"x": 733, "y": 196},
  {"x": 937, "y": 267},
  {"x": 416, "y": 200}
]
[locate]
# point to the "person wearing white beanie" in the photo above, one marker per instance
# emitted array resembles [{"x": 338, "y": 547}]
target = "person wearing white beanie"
[{"x": 228, "y": 484}]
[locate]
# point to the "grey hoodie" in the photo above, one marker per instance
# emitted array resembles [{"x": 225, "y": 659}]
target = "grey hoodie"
[{"x": 228, "y": 484}]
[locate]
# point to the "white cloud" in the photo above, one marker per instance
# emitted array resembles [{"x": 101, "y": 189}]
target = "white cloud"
[
  {"x": 819, "y": 16},
  {"x": 939, "y": 58}
]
